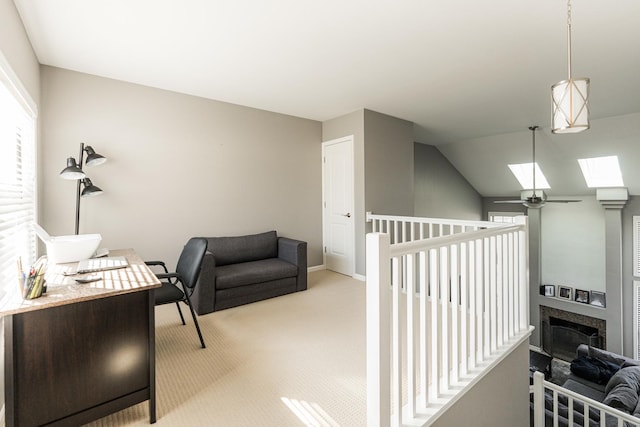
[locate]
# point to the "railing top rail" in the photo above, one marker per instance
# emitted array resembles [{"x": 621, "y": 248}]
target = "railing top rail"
[
  {"x": 461, "y": 222},
  {"x": 399, "y": 249}
]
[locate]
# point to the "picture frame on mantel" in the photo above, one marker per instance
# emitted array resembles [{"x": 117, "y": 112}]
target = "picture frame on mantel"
[
  {"x": 565, "y": 292},
  {"x": 598, "y": 299},
  {"x": 548, "y": 290},
  {"x": 582, "y": 296}
]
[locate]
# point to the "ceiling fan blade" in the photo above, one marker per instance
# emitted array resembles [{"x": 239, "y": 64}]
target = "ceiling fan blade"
[
  {"x": 508, "y": 201},
  {"x": 562, "y": 201}
]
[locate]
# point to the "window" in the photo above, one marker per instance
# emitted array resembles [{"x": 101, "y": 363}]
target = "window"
[
  {"x": 524, "y": 174},
  {"x": 508, "y": 217},
  {"x": 17, "y": 178},
  {"x": 601, "y": 172}
]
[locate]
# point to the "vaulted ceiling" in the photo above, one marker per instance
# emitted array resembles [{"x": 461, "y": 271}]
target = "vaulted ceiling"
[{"x": 471, "y": 75}]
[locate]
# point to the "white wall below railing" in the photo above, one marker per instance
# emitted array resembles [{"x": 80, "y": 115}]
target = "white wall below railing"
[{"x": 428, "y": 342}]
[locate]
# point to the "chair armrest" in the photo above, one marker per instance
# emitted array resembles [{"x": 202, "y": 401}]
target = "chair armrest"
[
  {"x": 168, "y": 276},
  {"x": 295, "y": 252},
  {"x": 155, "y": 263}
]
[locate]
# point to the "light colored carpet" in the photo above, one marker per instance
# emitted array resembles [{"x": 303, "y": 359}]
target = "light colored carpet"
[{"x": 295, "y": 360}]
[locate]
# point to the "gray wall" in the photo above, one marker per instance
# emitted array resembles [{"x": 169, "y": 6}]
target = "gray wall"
[
  {"x": 573, "y": 244},
  {"x": 179, "y": 166},
  {"x": 440, "y": 190},
  {"x": 388, "y": 160},
  {"x": 16, "y": 48},
  {"x": 383, "y": 150}
]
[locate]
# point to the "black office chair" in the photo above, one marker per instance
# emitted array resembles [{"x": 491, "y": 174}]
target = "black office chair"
[{"x": 177, "y": 287}]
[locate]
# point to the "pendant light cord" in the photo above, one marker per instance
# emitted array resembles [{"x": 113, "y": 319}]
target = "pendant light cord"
[{"x": 569, "y": 37}]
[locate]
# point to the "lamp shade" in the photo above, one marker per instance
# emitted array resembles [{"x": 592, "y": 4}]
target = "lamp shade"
[
  {"x": 570, "y": 106},
  {"x": 90, "y": 189},
  {"x": 72, "y": 171},
  {"x": 93, "y": 158}
]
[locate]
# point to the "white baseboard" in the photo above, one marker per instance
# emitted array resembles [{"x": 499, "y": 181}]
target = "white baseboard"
[
  {"x": 316, "y": 268},
  {"x": 321, "y": 267}
]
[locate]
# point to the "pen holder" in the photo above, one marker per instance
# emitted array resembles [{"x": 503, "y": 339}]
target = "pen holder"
[
  {"x": 34, "y": 284},
  {"x": 36, "y": 288}
]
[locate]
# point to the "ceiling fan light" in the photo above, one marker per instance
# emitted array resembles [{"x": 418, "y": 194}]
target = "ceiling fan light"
[{"x": 570, "y": 106}]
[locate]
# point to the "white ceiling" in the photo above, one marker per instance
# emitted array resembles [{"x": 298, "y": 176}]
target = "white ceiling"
[{"x": 472, "y": 75}]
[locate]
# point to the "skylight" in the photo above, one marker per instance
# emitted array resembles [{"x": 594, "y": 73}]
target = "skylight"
[
  {"x": 522, "y": 172},
  {"x": 601, "y": 172}
]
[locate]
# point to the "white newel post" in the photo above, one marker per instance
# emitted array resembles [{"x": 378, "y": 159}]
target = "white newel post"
[
  {"x": 538, "y": 397},
  {"x": 378, "y": 330}
]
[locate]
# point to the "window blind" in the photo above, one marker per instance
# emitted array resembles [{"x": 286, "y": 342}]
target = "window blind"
[
  {"x": 636, "y": 246},
  {"x": 17, "y": 182}
]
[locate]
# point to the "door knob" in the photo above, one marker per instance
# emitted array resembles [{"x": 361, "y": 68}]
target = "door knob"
[{"x": 348, "y": 215}]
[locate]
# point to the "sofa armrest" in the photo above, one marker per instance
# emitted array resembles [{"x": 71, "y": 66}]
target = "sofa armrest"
[
  {"x": 204, "y": 293},
  {"x": 295, "y": 252}
]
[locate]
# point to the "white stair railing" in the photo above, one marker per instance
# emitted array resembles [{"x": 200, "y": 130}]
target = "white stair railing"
[
  {"x": 408, "y": 228},
  {"x": 441, "y": 313}
]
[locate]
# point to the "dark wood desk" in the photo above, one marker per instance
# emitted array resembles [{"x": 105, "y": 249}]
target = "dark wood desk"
[{"x": 81, "y": 351}]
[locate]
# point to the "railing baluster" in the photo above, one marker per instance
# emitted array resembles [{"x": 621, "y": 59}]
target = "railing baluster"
[
  {"x": 424, "y": 331},
  {"x": 487, "y": 298},
  {"x": 464, "y": 308},
  {"x": 500, "y": 297},
  {"x": 396, "y": 355},
  {"x": 473, "y": 342},
  {"x": 493, "y": 284},
  {"x": 479, "y": 298},
  {"x": 455, "y": 312},
  {"x": 444, "y": 315},
  {"x": 434, "y": 263},
  {"x": 411, "y": 346},
  {"x": 511, "y": 289}
]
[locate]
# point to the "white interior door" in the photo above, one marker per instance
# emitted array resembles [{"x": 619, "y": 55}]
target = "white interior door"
[{"x": 338, "y": 205}]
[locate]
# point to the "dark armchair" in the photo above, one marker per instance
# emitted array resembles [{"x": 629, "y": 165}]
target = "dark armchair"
[{"x": 177, "y": 287}]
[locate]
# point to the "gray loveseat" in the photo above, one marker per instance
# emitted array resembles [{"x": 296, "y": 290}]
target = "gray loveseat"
[
  {"x": 244, "y": 269},
  {"x": 591, "y": 388},
  {"x": 620, "y": 390}
]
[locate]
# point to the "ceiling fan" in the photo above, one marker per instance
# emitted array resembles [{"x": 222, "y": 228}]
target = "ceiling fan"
[{"x": 535, "y": 201}]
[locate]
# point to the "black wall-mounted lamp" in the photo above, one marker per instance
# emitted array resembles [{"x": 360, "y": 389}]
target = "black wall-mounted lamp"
[{"x": 74, "y": 171}]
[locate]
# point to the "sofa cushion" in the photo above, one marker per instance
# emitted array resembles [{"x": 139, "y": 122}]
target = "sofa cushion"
[
  {"x": 623, "y": 389},
  {"x": 583, "y": 389},
  {"x": 248, "y": 273},
  {"x": 238, "y": 249}
]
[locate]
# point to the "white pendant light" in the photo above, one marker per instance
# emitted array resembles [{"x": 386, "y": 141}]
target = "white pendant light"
[{"x": 570, "y": 98}]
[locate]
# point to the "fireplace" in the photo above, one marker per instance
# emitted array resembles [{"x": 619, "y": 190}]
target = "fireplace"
[{"x": 563, "y": 331}]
